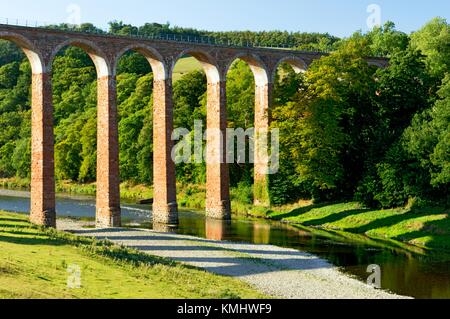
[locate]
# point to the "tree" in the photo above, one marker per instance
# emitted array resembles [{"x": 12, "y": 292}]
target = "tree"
[
  {"x": 386, "y": 40},
  {"x": 187, "y": 95},
  {"x": 333, "y": 115},
  {"x": 428, "y": 138},
  {"x": 403, "y": 89},
  {"x": 135, "y": 63},
  {"x": 240, "y": 95},
  {"x": 433, "y": 41}
]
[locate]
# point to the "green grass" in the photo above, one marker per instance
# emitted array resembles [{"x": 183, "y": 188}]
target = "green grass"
[
  {"x": 184, "y": 66},
  {"x": 34, "y": 263},
  {"x": 424, "y": 227}
]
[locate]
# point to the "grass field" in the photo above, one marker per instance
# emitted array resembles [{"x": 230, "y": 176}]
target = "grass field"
[
  {"x": 424, "y": 227},
  {"x": 184, "y": 66},
  {"x": 34, "y": 263}
]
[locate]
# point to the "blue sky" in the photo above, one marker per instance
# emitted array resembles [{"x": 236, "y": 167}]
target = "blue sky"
[{"x": 338, "y": 17}]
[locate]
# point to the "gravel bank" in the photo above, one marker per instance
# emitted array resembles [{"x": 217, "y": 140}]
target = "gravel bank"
[{"x": 279, "y": 272}]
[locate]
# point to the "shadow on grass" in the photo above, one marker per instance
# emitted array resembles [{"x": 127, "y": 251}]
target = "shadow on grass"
[
  {"x": 12, "y": 220},
  {"x": 392, "y": 220},
  {"x": 9, "y": 227},
  {"x": 302, "y": 210},
  {"x": 335, "y": 217},
  {"x": 438, "y": 231},
  {"x": 29, "y": 241}
]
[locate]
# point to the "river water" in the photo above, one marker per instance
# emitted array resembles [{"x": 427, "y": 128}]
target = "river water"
[{"x": 405, "y": 269}]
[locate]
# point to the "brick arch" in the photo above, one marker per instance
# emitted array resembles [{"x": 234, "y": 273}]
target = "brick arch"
[
  {"x": 33, "y": 55},
  {"x": 298, "y": 64},
  {"x": 209, "y": 64},
  {"x": 259, "y": 69},
  {"x": 97, "y": 55},
  {"x": 153, "y": 57}
]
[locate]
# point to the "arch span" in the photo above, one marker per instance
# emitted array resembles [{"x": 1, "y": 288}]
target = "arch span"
[
  {"x": 263, "y": 98},
  {"x": 217, "y": 175},
  {"x": 153, "y": 57},
  {"x": 297, "y": 64},
  {"x": 208, "y": 63},
  {"x": 33, "y": 55},
  {"x": 259, "y": 69},
  {"x": 102, "y": 66},
  {"x": 108, "y": 213},
  {"x": 42, "y": 208}
]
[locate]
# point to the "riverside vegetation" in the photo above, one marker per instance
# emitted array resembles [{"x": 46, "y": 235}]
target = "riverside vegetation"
[{"x": 376, "y": 139}]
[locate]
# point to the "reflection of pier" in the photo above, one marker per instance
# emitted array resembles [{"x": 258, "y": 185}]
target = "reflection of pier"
[
  {"x": 261, "y": 233},
  {"x": 164, "y": 228},
  {"x": 221, "y": 230},
  {"x": 217, "y": 229}
]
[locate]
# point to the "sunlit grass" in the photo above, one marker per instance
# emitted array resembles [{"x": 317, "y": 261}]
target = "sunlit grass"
[
  {"x": 426, "y": 227},
  {"x": 34, "y": 264},
  {"x": 184, "y": 66}
]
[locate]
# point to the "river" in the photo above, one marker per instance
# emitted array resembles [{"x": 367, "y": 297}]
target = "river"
[{"x": 405, "y": 270}]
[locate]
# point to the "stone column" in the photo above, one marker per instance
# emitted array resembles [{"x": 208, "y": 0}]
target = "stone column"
[
  {"x": 217, "y": 174},
  {"x": 263, "y": 103},
  {"x": 42, "y": 162},
  {"x": 108, "y": 180},
  {"x": 165, "y": 208}
]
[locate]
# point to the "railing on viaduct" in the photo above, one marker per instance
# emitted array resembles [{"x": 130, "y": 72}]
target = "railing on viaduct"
[
  {"x": 42, "y": 45},
  {"x": 166, "y": 36}
]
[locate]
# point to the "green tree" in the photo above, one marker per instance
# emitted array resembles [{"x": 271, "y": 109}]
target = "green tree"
[
  {"x": 386, "y": 40},
  {"x": 433, "y": 40}
]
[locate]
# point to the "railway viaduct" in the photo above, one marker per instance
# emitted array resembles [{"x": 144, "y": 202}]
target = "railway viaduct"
[{"x": 41, "y": 45}]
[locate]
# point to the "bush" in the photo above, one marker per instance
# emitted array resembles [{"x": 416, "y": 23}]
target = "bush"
[{"x": 243, "y": 193}]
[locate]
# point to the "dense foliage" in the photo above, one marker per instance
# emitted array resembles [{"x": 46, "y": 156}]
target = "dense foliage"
[{"x": 348, "y": 130}]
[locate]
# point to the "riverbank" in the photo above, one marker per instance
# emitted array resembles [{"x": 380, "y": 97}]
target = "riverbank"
[
  {"x": 279, "y": 272},
  {"x": 35, "y": 263},
  {"x": 423, "y": 227}
]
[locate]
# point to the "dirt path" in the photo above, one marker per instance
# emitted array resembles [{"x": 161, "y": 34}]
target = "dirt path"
[{"x": 280, "y": 272}]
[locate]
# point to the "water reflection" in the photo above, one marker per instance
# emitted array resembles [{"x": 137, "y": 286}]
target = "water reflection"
[
  {"x": 164, "y": 228},
  {"x": 217, "y": 229},
  {"x": 261, "y": 233}
]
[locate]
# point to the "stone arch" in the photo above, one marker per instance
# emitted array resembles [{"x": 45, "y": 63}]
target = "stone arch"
[
  {"x": 218, "y": 204},
  {"x": 263, "y": 100},
  {"x": 153, "y": 57},
  {"x": 206, "y": 60},
  {"x": 297, "y": 64},
  {"x": 259, "y": 69},
  {"x": 102, "y": 66},
  {"x": 33, "y": 55}
]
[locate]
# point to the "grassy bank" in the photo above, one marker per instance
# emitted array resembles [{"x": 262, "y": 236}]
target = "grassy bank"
[
  {"x": 424, "y": 227},
  {"x": 34, "y": 263}
]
